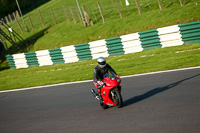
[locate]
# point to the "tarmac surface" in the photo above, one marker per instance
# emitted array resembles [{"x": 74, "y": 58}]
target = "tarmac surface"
[{"x": 157, "y": 103}]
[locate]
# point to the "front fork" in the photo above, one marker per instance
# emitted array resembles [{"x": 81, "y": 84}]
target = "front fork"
[{"x": 112, "y": 95}]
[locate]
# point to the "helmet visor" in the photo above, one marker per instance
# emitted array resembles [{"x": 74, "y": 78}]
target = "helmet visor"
[{"x": 102, "y": 63}]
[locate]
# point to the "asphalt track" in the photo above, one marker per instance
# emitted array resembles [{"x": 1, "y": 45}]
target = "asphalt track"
[{"x": 156, "y": 103}]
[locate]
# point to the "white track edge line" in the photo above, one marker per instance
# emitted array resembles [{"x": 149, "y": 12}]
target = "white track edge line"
[
  {"x": 181, "y": 69},
  {"x": 76, "y": 82}
]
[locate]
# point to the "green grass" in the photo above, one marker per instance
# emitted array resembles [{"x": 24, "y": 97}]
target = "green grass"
[
  {"x": 142, "y": 62},
  {"x": 67, "y": 33}
]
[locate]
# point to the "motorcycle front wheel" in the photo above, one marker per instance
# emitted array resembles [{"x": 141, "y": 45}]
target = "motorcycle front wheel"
[{"x": 117, "y": 98}]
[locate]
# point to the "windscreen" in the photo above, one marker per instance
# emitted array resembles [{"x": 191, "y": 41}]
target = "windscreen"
[{"x": 110, "y": 75}]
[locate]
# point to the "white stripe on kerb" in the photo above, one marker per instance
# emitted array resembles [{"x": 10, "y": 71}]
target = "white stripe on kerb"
[
  {"x": 131, "y": 43},
  {"x": 18, "y": 56},
  {"x": 69, "y": 54},
  {"x": 44, "y": 58},
  {"x": 97, "y": 43},
  {"x": 170, "y": 36},
  {"x": 172, "y": 43},
  {"x": 101, "y": 49},
  {"x": 97, "y": 55},
  {"x": 71, "y": 59},
  {"x": 168, "y": 29},
  {"x": 20, "y": 60},
  {"x": 130, "y": 37},
  {"x": 98, "y": 48},
  {"x": 68, "y": 48}
]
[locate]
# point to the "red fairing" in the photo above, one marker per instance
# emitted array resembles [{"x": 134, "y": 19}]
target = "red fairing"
[{"x": 109, "y": 85}]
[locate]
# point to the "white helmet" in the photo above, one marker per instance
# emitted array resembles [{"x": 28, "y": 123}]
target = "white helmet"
[{"x": 101, "y": 62}]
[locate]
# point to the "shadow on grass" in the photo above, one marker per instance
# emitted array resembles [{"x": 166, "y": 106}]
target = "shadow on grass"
[
  {"x": 153, "y": 92},
  {"x": 13, "y": 50},
  {"x": 31, "y": 40}
]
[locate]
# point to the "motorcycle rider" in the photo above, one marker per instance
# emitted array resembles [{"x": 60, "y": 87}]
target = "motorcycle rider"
[{"x": 99, "y": 71}]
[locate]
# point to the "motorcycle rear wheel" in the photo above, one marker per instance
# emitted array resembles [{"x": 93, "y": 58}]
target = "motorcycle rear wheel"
[{"x": 117, "y": 99}]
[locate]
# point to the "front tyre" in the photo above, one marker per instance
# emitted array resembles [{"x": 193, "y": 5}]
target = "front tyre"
[{"x": 117, "y": 98}]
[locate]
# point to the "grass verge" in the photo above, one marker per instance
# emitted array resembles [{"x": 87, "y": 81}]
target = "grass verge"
[{"x": 130, "y": 64}]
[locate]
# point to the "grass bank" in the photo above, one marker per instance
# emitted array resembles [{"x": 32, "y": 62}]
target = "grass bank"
[
  {"x": 67, "y": 33},
  {"x": 142, "y": 62}
]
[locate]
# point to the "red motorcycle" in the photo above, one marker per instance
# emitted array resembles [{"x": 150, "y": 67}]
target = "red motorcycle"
[{"x": 110, "y": 94}]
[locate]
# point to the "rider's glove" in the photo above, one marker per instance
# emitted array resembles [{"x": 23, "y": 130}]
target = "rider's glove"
[{"x": 100, "y": 83}]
